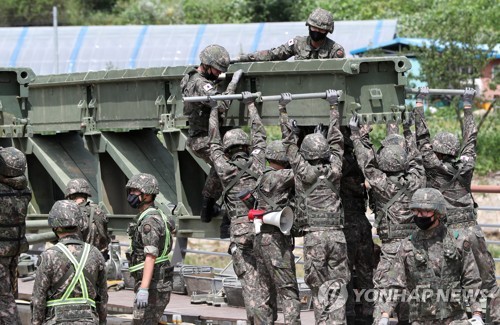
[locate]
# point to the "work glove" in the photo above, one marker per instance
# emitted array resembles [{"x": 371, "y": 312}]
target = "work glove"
[
  {"x": 247, "y": 97},
  {"x": 237, "y": 76},
  {"x": 240, "y": 58},
  {"x": 476, "y": 320},
  {"x": 423, "y": 93},
  {"x": 320, "y": 129},
  {"x": 332, "y": 97},
  {"x": 141, "y": 298},
  {"x": 384, "y": 321},
  {"x": 295, "y": 127},
  {"x": 407, "y": 122},
  {"x": 468, "y": 96},
  {"x": 285, "y": 99},
  {"x": 354, "y": 123}
]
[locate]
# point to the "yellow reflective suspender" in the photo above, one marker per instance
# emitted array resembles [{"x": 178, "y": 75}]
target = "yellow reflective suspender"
[
  {"x": 163, "y": 257},
  {"x": 78, "y": 277}
]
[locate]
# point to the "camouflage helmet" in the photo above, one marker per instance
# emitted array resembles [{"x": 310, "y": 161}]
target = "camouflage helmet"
[
  {"x": 394, "y": 139},
  {"x": 322, "y": 19},
  {"x": 77, "y": 185},
  {"x": 235, "y": 137},
  {"x": 446, "y": 143},
  {"x": 429, "y": 199},
  {"x": 314, "y": 146},
  {"x": 65, "y": 213},
  {"x": 215, "y": 56},
  {"x": 392, "y": 158},
  {"x": 12, "y": 162},
  {"x": 146, "y": 183},
  {"x": 276, "y": 151}
]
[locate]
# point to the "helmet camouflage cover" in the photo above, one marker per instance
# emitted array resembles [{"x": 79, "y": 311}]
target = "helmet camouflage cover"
[
  {"x": 446, "y": 143},
  {"x": 215, "y": 56},
  {"x": 65, "y": 213},
  {"x": 12, "y": 162},
  {"x": 321, "y": 18},
  {"x": 314, "y": 146},
  {"x": 77, "y": 185},
  {"x": 392, "y": 158},
  {"x": 235, "y": 137},
  {"x": 276, "y": 151},
  {"x": 429, "y": 199},
  {"x": 146, "y": 183},
  {"x": 394, "y": 139}
]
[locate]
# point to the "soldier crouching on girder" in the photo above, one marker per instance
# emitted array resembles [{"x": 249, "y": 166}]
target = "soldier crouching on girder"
[
  {"x": 317, "y": 167},
  {"x": 201, "y": 81}
]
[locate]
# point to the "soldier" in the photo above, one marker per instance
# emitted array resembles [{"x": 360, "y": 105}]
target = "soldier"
[
  {"x": 274, "y": 250},
  {"x": 393, "y": 178},
  {"x": 314, "y": 46},
  {"x": 151, "y": 241},
  {"x": 357, "y": 230},
  {"x": 430, "y": 263},
  {"x": 95, "y": 221},
  {"x": 317, "y": 167},
  {"x": 239, "y": 168},
  {"x": 201, "y": 81},
  {"x": 14, "y": 199},
  {"x": 70, "y": 284},
  {"x": 449, "y": 169}
]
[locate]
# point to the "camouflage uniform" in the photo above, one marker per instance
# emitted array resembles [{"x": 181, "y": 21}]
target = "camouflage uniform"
[
  {"x": 56, "y": 274},
  {"x": 393, "y": 181},
  {"x": 301, "y": 47},
  {"x": 238, "y": 173},
  {"x": 318, "y": 169},
  {"x": 357, "y": 229},
  {"x": 14, "y": 199},
  {"x": 95, "y": 222},
  {"x": 434, "y": 259},
  {"x": 198, "y": 113},
  {"x": 273, "y": 249},
  {"x": 150, "y": 233},
  {"x": 452, "y": 176}
]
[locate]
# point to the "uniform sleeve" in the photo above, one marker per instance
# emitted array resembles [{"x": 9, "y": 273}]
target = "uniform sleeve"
[
  {"x": 207, "y": 88},
  {"x": 151, "y": 231},
  {"x": 102, "y": 290},
  {"x": 337, "y": 52},
  {"x": 471, "y": 279},
  {"x": 103, "y": 240},
  {"x": 290, "y": 144},
  {"x": 40, "y": 290},
  {"x": 335, "y": 139},
  {"x": 397, "y": 282},
  {"x": 429, "y": 158},
  {"x": 216, "y": 151},
  {"x": 366, "y": 161},
  {"x": 391, "y": 128},
  {"x": 469, "y": 133},
  {"x": 258, "y": 138},
  {"x": 411, "y": 143},
  {"x": 416, "y": 171},
  {"x": 280, "y": 53}
]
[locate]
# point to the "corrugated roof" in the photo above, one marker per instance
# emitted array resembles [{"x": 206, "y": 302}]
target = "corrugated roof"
[{"x": 88, "y": 48}]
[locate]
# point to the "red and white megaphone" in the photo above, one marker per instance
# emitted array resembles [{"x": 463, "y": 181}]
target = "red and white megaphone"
[{"x": 282, "y": 219}]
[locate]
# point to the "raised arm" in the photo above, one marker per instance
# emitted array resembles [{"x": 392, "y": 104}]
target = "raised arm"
[
  {"x": 258, "y": 132},
  {"x": 469, "y": 132},
  {"x": 335, "y": 137},
  {"x": 410, "y": 140},
  {"x": 280, "y": 53},
  {"x": 424, "y": 145},
  {"x": 216, "y": 150}
]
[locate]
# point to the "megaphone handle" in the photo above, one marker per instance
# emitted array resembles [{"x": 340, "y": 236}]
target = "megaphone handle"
[{"x": 257, "y": 222}]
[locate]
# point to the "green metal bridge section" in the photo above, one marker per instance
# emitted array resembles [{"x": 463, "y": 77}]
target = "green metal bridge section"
[{"x": 106, "y": 126}]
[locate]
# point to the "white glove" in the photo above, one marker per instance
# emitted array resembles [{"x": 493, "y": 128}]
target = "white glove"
[
  {"x": 141, "y": 298},
  {"x": 384, "y": 321}
]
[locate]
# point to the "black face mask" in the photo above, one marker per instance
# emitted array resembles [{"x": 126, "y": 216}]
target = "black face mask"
[
  {"x": 209, "y": 75},
  {"x": 133, "y": 200},
  {"x": 423, "y": 222},
  {"x": 317, "y": 36}
]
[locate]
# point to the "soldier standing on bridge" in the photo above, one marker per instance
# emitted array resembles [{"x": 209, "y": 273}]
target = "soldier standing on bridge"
[
  {"x": 430, "y": 263},
  {"x": 201, "y": 81},
  {"x": 314, "y": 46},
  {"x": 95, "y": 221},
  {"x": 317, "y": 167},
  {"x": 14, "y": 199},
  {"x": 393, "y": 177},
  {"x": 239, "y": 164},
  {"x": 151, "y": 238},
  {"x": 70, "y": 284},
  {"x": 449, "y": 168}
]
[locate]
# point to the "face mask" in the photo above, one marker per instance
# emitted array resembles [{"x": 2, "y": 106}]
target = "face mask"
[
  {"x": 209, "y": 75},
  {"x": 423, "y": 222},
  {"x": 133, "y": 200},
  {"x": 317, "y": 36}
]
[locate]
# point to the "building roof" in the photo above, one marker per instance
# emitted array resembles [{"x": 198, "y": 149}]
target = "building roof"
[{"x": 90, "y": 48}]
